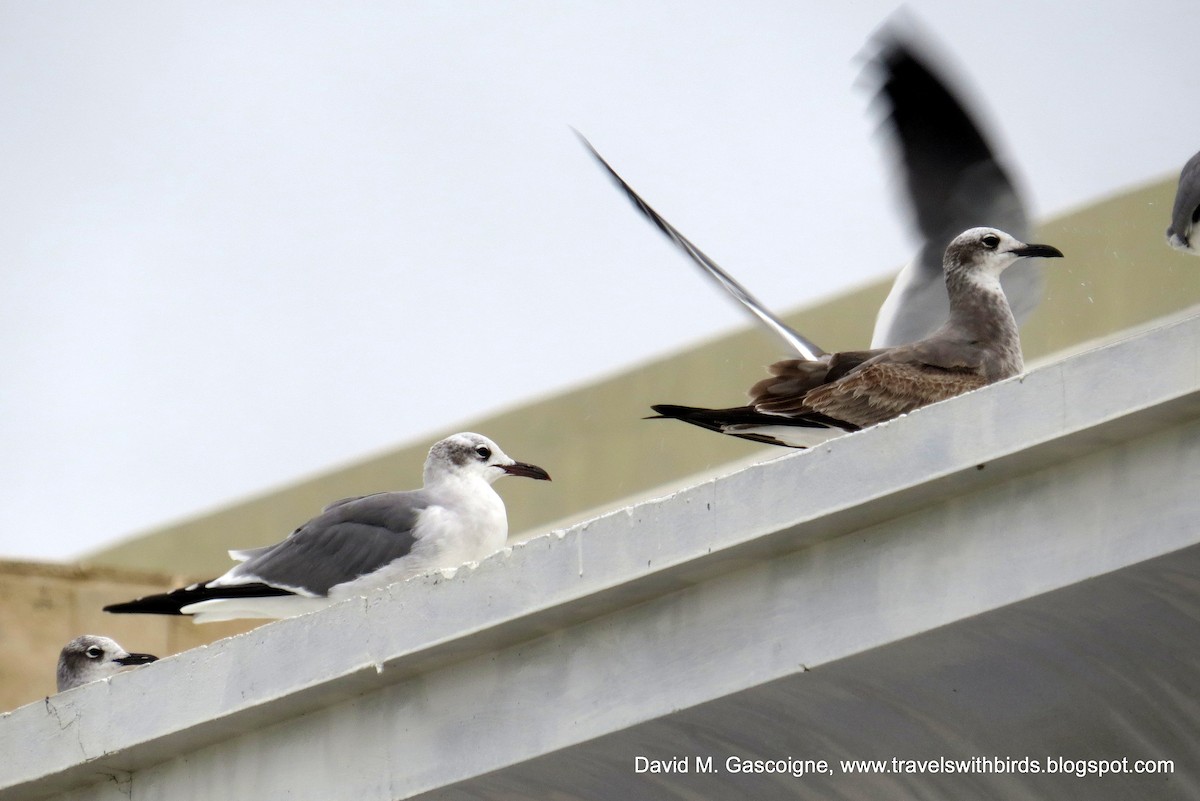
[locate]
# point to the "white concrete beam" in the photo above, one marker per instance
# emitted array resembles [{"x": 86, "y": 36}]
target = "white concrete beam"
[{"x": 1035, "y": 484}]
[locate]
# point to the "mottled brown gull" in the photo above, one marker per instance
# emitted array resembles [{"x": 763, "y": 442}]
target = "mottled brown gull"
[{"x": 808, "y": 401}]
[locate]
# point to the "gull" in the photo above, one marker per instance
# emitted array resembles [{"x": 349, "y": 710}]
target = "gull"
[
  {"x": 1186, "y": 212},
  {"x": 359, "y": 544},
  {"x": 90, "y": 658},
  {"x": 808, "y": 401},
  {"x": 954, "y": 181}
]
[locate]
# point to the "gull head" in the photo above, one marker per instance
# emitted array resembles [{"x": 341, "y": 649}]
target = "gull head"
[
  {"x": 466, "y": 454},
  {"x": 984, "y": 253},
  {"x": 90, "y": 658}
]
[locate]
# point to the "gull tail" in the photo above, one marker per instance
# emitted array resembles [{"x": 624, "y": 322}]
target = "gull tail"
[
  {"x": 795, "y": 341},
  {"x": 173, "y": 602},
  {"x": 746, "y": 422}
]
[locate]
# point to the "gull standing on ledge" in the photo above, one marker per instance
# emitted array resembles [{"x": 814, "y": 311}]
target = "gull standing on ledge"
[
  {"x": 808, "y": 401},
  {"x": 359, "y": 544},
  {"x": 1186, "y": 212},
  {"x": 90, "y": 658}
]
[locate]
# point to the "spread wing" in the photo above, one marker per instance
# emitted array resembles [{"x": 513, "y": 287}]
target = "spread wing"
[
  {"x": 795, "y": 341},
  {"x": 954, "y": 180}
]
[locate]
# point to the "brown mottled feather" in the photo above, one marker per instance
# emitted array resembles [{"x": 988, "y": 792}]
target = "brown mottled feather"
[
  {"x": 976, "y": 346},
  {"x": 881, "y": 391},
  {"x": 784, "y": 392}
]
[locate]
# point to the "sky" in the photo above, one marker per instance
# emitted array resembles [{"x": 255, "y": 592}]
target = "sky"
[{"x": 241, "y": 243}]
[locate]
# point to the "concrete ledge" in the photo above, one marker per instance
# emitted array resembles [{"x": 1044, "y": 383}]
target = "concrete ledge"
[{"x": 1022, "y": 488}]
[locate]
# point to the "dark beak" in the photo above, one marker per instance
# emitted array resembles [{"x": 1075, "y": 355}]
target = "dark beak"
[
  {"x": 527, "y": 470},
  {"x": 136, "y": 659},
  {"x": 1045, "y": 251}
]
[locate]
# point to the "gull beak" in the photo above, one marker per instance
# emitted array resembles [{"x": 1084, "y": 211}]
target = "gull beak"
[
  {"x": 136, "y": 659},
  {"x": 1045, "y": 251},
  {"x": 527, "y": 470}
]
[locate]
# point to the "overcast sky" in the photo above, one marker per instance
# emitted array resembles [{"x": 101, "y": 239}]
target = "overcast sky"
[{"x": 244, "y": 242}]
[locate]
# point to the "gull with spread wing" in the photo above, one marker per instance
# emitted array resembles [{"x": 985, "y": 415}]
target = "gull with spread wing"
[{"x": 810, "y": 400}]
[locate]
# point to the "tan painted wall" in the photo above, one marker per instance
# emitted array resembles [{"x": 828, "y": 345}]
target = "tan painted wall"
[{"x": 43, "y": 607}]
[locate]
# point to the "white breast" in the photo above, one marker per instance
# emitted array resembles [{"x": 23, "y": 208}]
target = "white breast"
[{"x": 469, "y": 524}]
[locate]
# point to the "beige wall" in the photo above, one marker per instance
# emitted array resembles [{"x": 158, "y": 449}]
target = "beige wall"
[{"x": 43, "y": 607}]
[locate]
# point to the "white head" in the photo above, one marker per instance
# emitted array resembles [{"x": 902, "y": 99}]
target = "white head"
[
  {"x": 91, "y": 658},
  {"x": 979, "y": 255},
  {"x": 467, "y": 454}
]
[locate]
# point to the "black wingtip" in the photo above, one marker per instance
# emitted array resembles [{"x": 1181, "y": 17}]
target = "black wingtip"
[
  {"x": 161, "y": 604},
  {"x": 800, "y": 344},
  {"x": 662, "y": 410},
  {"x": 170, "y": 603},
  {"x": 695, "y": 415},
  {"x": 641, "y": 205}
]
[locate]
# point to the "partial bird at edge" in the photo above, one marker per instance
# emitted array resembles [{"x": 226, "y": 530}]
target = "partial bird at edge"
[
  {"x": 1185, "y": 213},
  {"x": 90, "y": 657}
]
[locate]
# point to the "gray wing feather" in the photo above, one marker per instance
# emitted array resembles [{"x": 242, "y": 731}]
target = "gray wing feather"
[
  {"x": 351, "y": 538},
  {"x": 245, "y": 554},
  {"x": 344, "y": 501},
  {"x": 954, "y": 181},
  {"x": 1186, "y": 212},
  {"x": 797, "y": 342}
]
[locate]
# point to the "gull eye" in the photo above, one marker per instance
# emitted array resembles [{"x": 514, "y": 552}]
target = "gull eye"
[
  {"x": 95, "y": 652},
  {"x": 991, "y": 241},
  {"x": 484, "y": 452}
]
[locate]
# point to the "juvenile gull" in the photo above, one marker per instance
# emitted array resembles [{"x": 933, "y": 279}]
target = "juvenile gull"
[
  {"x": 954, "y": 181},
  {"x": 1186, "y": 212},
  {"x": 808, "y": 401},
  {"x": 359, "y": 544},
  {"x": 90, "y": 658}
]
